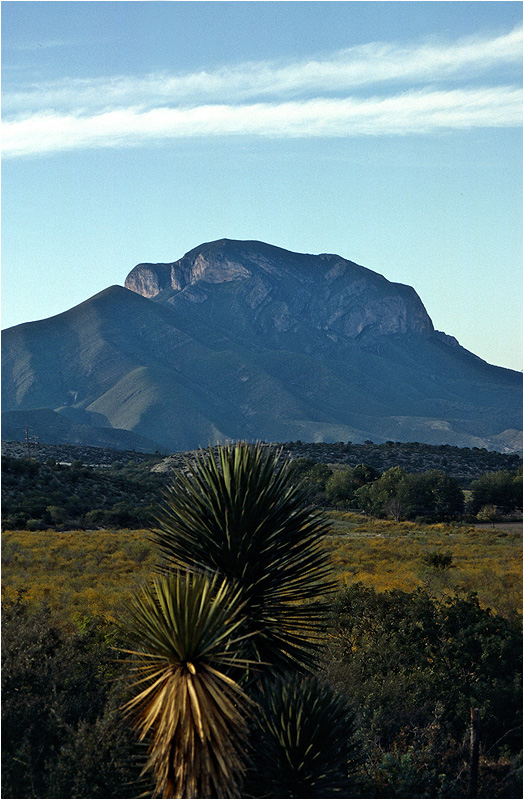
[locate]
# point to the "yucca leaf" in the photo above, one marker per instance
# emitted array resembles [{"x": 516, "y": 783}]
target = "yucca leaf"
[
  {"x": 183, "y": 631},
  {"x": 235, "y": 512},
  {"x": 304, "y": 734}
]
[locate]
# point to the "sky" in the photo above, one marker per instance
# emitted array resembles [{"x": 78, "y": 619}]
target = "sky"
[{"x": 389, "y": 133}]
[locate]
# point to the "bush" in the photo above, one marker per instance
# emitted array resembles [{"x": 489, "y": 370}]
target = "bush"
[
  {"x": 502, "y": 489},
  {"x": 437, "y": 560},
  {"x": 62, "y": 733},
  {"x": 35, "y": 525},
  {"x": 303, "y": 741},
  {"x": 415, "y": 666}
]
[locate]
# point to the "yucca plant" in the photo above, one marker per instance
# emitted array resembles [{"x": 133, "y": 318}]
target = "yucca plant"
[
  {"x": 184, "y": 631},
  {"x": 304, "y": 740},
  {"x": 236, "y": 511}
]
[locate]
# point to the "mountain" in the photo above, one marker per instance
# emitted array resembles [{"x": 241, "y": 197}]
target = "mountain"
[{"x": 243, "y": 340}]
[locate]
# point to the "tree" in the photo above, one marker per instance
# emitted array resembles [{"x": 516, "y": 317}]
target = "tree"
[
  {"x": 57, "y": 514},
  {"x": 342, "y": 484},
  {"x": 314, "y": 482},
  {"x": 382, "y": 496},
  {"x": 340, "y": 487},
  {"x": 240, "y": 516},
  {"x": 237, "y": 603},
  {"x": 432, "y": 495},
  {"x": 365, "y": 473},
  {"x": 502, "y": 489},
  {"x": 489, "y": 514}
]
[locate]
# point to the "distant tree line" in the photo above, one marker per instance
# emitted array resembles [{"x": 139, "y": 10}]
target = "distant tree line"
[
  {"x": 430, "y": 496},
  {"x": 37, "y": 496},
  {"x": 464, "y": 462}
]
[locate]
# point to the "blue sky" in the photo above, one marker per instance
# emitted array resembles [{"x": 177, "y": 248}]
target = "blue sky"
[{"x": 389, "y": 133}]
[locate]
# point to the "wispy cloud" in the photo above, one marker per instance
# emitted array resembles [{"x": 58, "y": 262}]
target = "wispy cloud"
[
  {"x": 413, "y": 112},
  {"x": 306, "y": 98},
  {"x": 345, "y": 70}
]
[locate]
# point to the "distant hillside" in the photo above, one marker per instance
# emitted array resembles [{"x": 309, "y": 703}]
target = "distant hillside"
[
  {"x": 459, "y": 462},
  {"x": 51, "y": 427},
  {"x": 243, "y": 340}
]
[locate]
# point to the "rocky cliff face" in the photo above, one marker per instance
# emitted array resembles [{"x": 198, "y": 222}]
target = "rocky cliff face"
[{"x": 286, "y": 292}]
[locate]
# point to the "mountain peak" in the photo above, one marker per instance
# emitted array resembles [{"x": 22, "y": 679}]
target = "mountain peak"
[{"x": 284, "y": 291}]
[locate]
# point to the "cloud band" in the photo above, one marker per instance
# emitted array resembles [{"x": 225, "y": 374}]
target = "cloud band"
[{"x": 407, "y": 113}]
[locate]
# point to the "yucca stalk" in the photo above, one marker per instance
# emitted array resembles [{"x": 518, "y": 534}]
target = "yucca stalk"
[
  {"x": 184, "y": 629},
  {"x": 239, "y": 514},
  {"x": 304, "y": 740}
]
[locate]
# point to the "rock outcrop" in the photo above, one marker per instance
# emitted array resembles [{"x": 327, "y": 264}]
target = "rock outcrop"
[{"x": 287, "y": 292}]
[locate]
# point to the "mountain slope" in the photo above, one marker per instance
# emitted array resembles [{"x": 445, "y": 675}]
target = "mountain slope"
[
  {"x": 53, "y": 427},
  {"x": 245, "y": 340}
]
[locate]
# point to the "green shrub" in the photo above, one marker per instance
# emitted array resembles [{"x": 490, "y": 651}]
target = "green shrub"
[
  {"x": 62, "y": 733},
  {"x": 438, "y": 560},
  {"x": 414, "y": 667}
]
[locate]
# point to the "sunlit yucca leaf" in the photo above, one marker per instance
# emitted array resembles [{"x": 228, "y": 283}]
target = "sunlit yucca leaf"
[
  {"x": 184, "y": 631},
  {"x": 303, "y": 738},
  {"x": 238, "y": 513}
]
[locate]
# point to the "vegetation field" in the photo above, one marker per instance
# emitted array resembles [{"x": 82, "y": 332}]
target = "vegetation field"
[
  {"x": 386, "y": 555},
  {"x": 85, "y": 573},
  {"x": 79, "y": 573}
]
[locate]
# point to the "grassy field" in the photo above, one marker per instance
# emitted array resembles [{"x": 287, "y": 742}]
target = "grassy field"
[
  {"x": 92, "y": 572},
  {"x": 393, "y": 555}
]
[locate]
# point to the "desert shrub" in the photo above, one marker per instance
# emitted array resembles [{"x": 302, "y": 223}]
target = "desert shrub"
[
  {"x": 298, "y": 467},
  {"x": 304, "y": 741},
  {"x": 415, "y": 666},
  {"x": 35, "y": 525},
  {"x": 62, "y": 733},
  {"x": 437, "y": 560},
  {"x": 241, "y": 516}
]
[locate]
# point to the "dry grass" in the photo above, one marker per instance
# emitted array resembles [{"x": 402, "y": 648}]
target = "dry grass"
[
  {"x": 390, "y": 555},
  {"x": 94, "y": 572},
  {"x": 78, "y": 572}
]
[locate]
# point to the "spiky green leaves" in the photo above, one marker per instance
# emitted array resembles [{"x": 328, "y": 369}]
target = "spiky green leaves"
[
  {"x": 304, "y": 735},
  {"x": 185, "y": 628},
  {"x": 238, "y": 514},
  {"x": 239, "y": 588}
]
